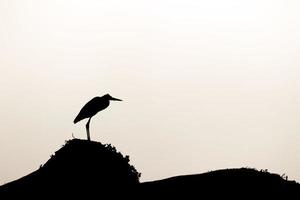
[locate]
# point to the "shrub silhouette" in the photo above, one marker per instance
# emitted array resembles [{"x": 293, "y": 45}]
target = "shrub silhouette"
[{"x": 79, "y": 168}]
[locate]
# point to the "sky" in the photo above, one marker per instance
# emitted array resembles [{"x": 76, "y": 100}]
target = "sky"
[{"x": 205, "y": 85}]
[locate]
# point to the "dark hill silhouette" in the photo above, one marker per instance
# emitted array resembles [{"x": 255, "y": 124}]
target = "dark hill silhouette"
[
  {"x": 84, "y": 169},
  {"x": 244, "y": 183},
  {"x": 79, "y": 168}
]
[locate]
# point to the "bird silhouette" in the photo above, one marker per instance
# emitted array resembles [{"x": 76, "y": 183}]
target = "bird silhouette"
[{"x": 91, "y": 108}]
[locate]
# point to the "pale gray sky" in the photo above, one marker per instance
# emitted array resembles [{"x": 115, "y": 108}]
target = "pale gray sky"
[{"x": 206, "y": 84}]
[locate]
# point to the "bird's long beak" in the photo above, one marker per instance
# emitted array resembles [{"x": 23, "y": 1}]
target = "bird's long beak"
[{"x": 115, "y": 99}]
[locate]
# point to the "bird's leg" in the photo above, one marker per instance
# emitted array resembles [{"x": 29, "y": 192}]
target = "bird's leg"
[{"x": 88, "y": 130}]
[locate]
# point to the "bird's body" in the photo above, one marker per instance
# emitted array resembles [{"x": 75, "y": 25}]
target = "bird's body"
[{"x": 92, "y": 107}]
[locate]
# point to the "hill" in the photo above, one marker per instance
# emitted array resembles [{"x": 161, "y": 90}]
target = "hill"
[
  {"x": 244, "y": 183},
  {"x": 80, "y": 168},
  {"x": 91, "y": 170}
]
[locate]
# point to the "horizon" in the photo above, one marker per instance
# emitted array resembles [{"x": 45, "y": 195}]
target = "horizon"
[{"x": 205, "y": 85}]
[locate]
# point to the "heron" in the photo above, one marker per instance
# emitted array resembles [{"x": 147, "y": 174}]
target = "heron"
[{"x": 91, "y": 108}]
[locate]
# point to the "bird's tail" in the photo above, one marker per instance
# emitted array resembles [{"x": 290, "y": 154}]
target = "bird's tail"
[{"x": 76, "y": 120}]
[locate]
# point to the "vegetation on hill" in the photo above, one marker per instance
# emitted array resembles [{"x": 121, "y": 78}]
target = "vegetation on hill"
[{"x": 79, "y": 168}]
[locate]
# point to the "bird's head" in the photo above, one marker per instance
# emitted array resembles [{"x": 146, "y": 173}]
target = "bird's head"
[{"x": 107, "y": 96}]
